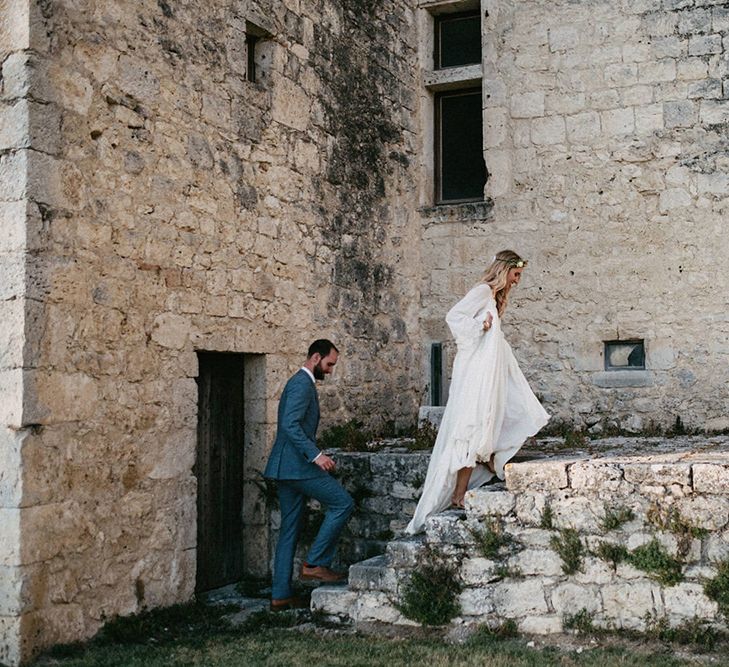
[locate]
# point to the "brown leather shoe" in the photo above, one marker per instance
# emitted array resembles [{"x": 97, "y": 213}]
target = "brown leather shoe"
[
  {"x": 321, "y": 573},
  {"x": 295, "y": 602}
]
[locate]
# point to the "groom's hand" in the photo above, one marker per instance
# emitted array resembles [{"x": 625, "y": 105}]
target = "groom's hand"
[{"x": 325, "y": 463}]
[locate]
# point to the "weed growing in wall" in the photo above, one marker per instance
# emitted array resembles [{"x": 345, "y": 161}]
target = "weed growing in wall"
[
  {"x": 653, "y": 559},
  {"x": 615, "y": 517},
  {"x": 695, "y": 631},
  {"x": 581, "y": 622},
  {"x": 717, "y": 589},
  {"x": 546, "y": 519},
  {"x": 430, "y": 595},
  {"x": 490, "y": 537},
  {"x": 670, "y": 519},
  {"x": 612, "y": 553},
  {"x": 570, "y": 548}
]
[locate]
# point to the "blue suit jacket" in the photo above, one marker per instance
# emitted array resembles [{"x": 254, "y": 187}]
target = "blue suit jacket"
[{"x": 294, "y": 449}]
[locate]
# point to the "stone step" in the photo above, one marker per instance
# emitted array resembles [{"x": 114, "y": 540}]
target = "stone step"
[
  {"x": 405, "y": 552},
  {"x": 336, "y": 602},
  {"x": 373, "y": 574},
  {"x": 448, "y": 528},
  {"x": 491, "y": 500}
]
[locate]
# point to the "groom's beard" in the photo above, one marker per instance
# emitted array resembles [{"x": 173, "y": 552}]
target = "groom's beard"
[{"x": 318, "y": 372}]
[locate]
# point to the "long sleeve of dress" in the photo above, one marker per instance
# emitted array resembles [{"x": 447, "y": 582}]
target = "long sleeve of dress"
[{"x": 466, "y": 318}]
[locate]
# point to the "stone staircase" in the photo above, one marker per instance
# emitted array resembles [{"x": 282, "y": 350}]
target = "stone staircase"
[{"x": 675, "y": 502}]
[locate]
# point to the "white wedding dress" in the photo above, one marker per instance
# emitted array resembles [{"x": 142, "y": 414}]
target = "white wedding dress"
[{"x": 491, "y": 408}]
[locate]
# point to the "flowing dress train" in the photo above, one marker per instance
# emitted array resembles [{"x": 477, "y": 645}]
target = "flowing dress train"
[{"x": 490, "y": 409}]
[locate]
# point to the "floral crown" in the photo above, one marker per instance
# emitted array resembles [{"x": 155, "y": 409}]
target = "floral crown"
[{"x": 519, "y": 264}]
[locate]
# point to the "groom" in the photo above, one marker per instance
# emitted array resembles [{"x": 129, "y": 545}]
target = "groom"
[{"x": 302, "y": 472}]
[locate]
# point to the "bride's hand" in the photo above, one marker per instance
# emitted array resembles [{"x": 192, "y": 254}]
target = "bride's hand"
[{"x": 488, "y": 321}]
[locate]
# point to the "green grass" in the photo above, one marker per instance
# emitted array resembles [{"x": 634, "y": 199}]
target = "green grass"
[{"x": 290, "y": 648}]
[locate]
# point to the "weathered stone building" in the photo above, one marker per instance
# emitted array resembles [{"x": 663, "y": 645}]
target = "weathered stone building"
[{"x": 179, "y": 179}]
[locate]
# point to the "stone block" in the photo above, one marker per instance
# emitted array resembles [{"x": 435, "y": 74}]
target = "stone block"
[
  {"x": 681, "y": 113},
  {"x": 704, "y": 45},
  {"x": 589, "y": 476},
  {"x": 14, "y": 125},
  {"x": 291, "y": 105},
  {"x": 657, "y": 72},
  {"x": 569, "y": 598},
  {"x": 539, "y": 562},
  {"x": 13, "y": 175},
  {"x": 694, "y": 21},
  {"x": 536, "y": 538},
  {"x": 9, "y": 537},
  {"x": 485, "y": 502},
  {"x": 710, "y": 478},
  {"x": 448, "y": 528},
  {"x": 622, "y": 74},
  {"x": 687, "y": 601},
  {"x": 334, "y": 601},
  {"x": 617, "y": 122},
  {"x": 583, "y": 127},
  {"x": 709, "y": 512},
  {"x": 530, "y": 477},
  {"x": 541, "y": 625},
  {"x": 578, "y": 512},
  {"x": 658, "y": 473},
  {"x": 629, "y": 603},
  {"x": 11, "y": 641},
  {"x": 11, "y": 443},
  {"x": 430, "y": 414},
  {"x": 550, "y": 130},
  {"x": 594, "y": 571},
  {"x": 717, "y": 547},
  {"x": 714, "y": 112},
  {"x": 563, "y": 38},
  {"x": 478, "y": 571},
  {"x": 477, "y": 601},
  {"x": 373, "y": 574},
  {"x": 527, "y": 105},
  {"x": 715, "y": 184},
  {"x": 378, "y": 607},
  {"x": 522, "y": 598},
  {"x": 12, "y": 224},
  {"x": 649, "y": 118},
  {"x": 708, "y": 89}
]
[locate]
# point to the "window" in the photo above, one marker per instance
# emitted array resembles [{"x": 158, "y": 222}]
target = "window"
[
  {"x": 457, "y": 40},
  {"x": 257, "y": 57},
  {"x": 460, "y": 168},
  {"x": 621, "y": 355}
]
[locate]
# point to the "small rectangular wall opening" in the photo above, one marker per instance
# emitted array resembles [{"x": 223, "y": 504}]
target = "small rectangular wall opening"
[
  {"x": 624, "y": 355},
  {"x": 436, "y": 374}
]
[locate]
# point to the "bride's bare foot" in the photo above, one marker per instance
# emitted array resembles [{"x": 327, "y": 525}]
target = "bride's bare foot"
[{"x": 458, "y": 503}]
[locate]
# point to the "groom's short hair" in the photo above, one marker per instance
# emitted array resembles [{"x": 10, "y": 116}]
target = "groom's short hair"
[{"x": 322, "y": 347}]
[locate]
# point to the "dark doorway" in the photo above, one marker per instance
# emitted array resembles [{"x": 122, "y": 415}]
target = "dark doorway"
[{"x": 219, "y": 470}]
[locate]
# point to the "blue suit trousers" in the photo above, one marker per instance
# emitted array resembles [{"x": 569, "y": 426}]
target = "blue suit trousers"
[{"x": 292, "y": 495}]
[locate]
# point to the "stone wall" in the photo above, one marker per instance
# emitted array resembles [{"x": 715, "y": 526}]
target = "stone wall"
[
  {"x": 156, "y": 202},
  {"x": 605, "y": 139}
]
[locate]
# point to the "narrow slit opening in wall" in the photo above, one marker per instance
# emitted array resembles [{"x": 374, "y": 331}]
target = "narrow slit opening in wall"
[
  {"x": 436, "y": 374},
  {"x": 624, "y": 355},
  {"x": 255, "y": 53}
]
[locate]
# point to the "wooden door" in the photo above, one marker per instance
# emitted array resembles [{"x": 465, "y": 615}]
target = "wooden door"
[{"x": 219, "y": 470}]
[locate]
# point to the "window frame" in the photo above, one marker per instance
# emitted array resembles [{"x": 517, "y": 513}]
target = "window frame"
[
  {"x": 438, "y": 144},
  {"x": 439, "y": 19}
]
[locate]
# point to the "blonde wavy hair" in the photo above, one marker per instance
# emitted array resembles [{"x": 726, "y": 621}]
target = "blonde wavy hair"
[{"x": 496, "y": 274}]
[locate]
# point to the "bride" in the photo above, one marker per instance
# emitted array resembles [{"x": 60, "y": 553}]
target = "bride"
[{"x": 491, "y": 410}]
